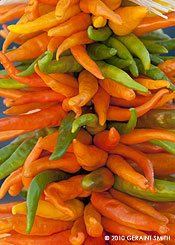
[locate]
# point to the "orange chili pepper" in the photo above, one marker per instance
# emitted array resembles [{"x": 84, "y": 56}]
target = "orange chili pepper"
[
  {"x": 54, "y": 43},
  {"x": 140, "y": 158},
  {"x": 15, "y": 189},
  {"x": 117, "y": 89},
  {"x": 119, "y": 212},
  {"x": 154, "y": 23},
  {"x": 88, "y": 86},
  {"x": 112, "y": 4},
  {"x": 92, "y": 219},
  {"x": 67, "y": 107},
  {"x": 166, "y": 98},
  {"x": 10, "y": 134},
  {"x": 147, "y": 147},
  {"x": 48, "y": 2},
  {"x": 80, "y": 54},
  {"x": 55, "y": 85},
  {"x": 143, "y": 135},
  {"x": 73, "y": 40},
  {"x": 6, "y": 8},
  {"x": 62, "y": 6},
  {"x": 131, "y": 17},
  {"x": 78, "y": 232},
  {"x": 11, "y": 93},
  {"x": 138, "y": 204},
  {"x": 72, "y": 25},
  {"x": 13, "y": 13},
  {"x": 121, "y": 114},
  {"x": 153, "y": 84},
  {"x": 139, "y": 100},
  {"x": 96, "y": 240},
  {"x": 107, "y": 140},
  {"x": 32, "y": 10},
  {"x": 123, "y": 169},
  {"x": 89, "y": 156},
  {"x": 98, "y": 8},
  {"x": 66, "y": 79},
  {"x": 13, "y": 178}
]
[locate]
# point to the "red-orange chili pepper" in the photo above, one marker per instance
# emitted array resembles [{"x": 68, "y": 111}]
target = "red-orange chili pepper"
[
  {"x": 15, "y": 189},
  {"x": 139, "y": 100},
  {"x": 10, "y": 134},
  {"x": 32, "y": 80},
  {"x": 49, "y": 117},
  {"x": 147, "y": 147},
  {"x": 119, "y": 212},
  {"x": 123, "y": 169},
  {"x": 78, "y": 232},
  {"x": 11, "y": 93},
  {"x": 140, "y": 158}
]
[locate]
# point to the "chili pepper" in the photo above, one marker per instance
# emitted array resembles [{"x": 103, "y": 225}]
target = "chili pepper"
[
  {"x": 10, "y": 134},
  {"x": 124, "y": 128},
  {"x": 63, "y": 65},
  {"x": 45, "y": 21},
  {"x": 32, "y": 80},
  {"x": 78, "y": 232},
  {"x": 156, "y": 35},
  {"x": 118, "y": 75},
  {"x": 101, "y": 103},
  {"x": 32, "y": 10},
  {"x": 98, "y": 180},
  {"x": 65, "y": 137},
  {"x": 48, "y": 2},
  {"x": 75, "y": 39},
  {"x": 167, "y": 44},
  {"x": 153, "y": 84},
  {"x": 89, "y": 156},
  {"x": 71, "y": 26},
  {"x": 153, "y": 47},
  {"x": 11, "y": 84},
  {"x": 123, "y": 169},
  {"x": 88, "y": 86},
  {"x": 119, "y": 212},
  {"x": 123, "y": 114},
  {"x": 95, "y": 240},
  {"x": 36, "y": 188},
  {"x": 123, "y": 53},
  {"x": 100, "y": 34},
  {"x": 76, "y": 109},
  {"x": 168, "y": 67},
  {"x": 19, "y": 156},
  {"x": 166, "y": 145},
  {"x": 48, "y": 56},
  {"x": 14, "y": 13},
  {"x": 107, "y": 140},
  {"x": 156, "y": 60},
  {"x": 63, "y": 6},
  {"x": 80, "y": 54},
  {"x": 99, "y": 51},
  {"x": 88, "y": 119},
  {"x": 97, "y": 7},
  {"x": 132, "y": 15},
  {"x": 54, "y": 43},
  {"x": 67, "y": 163},
  {"x": 92, "y": 220},
  {"x": 165, "y": 190},
  {"x": 154, "y": 23},
  {"x": 15, "y": 189},
  {"x": 147, "y": 147},
  {"x": 20, "y": 68},
  {"x": 51, "y": 117},
  {"x": 97, "y": 129},
  {"x": 98, "y": 21},
  {"x": 57, "y": 238},
  {"x": 131, "y": 42},
  {"x": 120, "y": 63}
]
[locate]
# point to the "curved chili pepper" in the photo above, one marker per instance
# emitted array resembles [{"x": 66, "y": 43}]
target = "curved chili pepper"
[
  {"x": 15, "y": 189},
  {"x": 118, "y": 75},
  {"x": 78, "y": 232},
  {"x": 88, "y": 119},
  {"x": 98, "y": 181},
  {"x": 166, "y": 145},
  {"x": 65, "y": 137},
  {"x": 119, "y": 212},
  {"x": 123, "y": 53},
  {"x": 165, "y": 190},
  {"x": 100, "y": 34},
  {"x": 36, "y": 188},
  {"x": 125, "y": 128},
  {"x": 99, "y": 51}
]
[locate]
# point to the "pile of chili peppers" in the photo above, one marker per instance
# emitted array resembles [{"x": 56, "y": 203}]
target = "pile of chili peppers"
[{"x": 92, "y": 123}]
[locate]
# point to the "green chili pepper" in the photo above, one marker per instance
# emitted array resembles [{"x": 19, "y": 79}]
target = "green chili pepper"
[
  {"x": 99, "y": 51},
  {"x": 23, "y": 193},
  {"x": 45, "y": 60},
  {"x": 19, "y": 156},
  {"x": 123, "y": 53},
  {"x": 156, "y": 60},
  {"x": 30, "y": 70},
  {"x": 165, "y": 190},
  {"x": 36, "y": 188},
  {"x": 98, "y": 180},
  {"x": 120, "y": 76},
  {"x": 88, "y": 119},
  {"x": 101, "y": 34},
  {"x": 137, "y": 48},
  {"x": 125, "y": 128},
  {"x": 97, "y": 129},
  {"x": 154, "y": 72},
  {"x": 12, "y": 84},
  {"x": 63, "y": 65},
  {"x": 120, "y": 63},
  {"x": 65, "y": 137},
  {"x": 154, "y": 48},
  {"x": 157, "y": 118},
  {"x": 166, "y": 145},
  {"x": 156, "y": 35},
  {"x": 168, "y": 44}
]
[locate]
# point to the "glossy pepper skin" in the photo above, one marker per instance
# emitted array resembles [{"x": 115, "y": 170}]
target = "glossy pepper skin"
[
  {"x": 165, "y": 190},
  {"x": 100, "y": 34},
  {"x": 36, "y": 188},
  {"x": 166, "y": 145},
  {"x": 88, "y": 119},
  {"x": 65, "y": 137},
  {"x": 158, "y": 118},
  {"x": 99, "y": 51}
]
